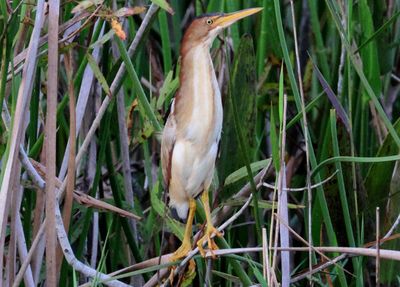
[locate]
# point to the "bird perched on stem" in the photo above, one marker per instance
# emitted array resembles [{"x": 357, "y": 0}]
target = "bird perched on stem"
[{"x": 191, "y": 135}]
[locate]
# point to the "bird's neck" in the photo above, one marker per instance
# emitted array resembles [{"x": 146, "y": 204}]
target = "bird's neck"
[
  {"x": 197, "y": 57},
  {"x": 198, "y": 103},
  {"x": 198, "y": 79}
]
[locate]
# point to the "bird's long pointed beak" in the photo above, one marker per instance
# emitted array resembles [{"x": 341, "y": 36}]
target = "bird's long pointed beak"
[{"x": 228, "y": 19}]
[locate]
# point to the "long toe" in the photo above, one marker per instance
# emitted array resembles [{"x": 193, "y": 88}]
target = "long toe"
[{"x": 211, "y": 243}]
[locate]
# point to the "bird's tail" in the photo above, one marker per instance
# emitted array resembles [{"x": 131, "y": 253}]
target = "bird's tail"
[{"x": 179, "y": 208}]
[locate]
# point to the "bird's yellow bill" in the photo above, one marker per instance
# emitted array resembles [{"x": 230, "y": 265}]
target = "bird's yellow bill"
[{"x": 229, "y": 19}]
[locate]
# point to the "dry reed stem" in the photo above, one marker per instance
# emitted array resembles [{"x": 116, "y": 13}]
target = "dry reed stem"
[
  {"x": 283, "y": 202},
  {"x": 23, "y": 253},
  {"x": 27, "y": 260},
  {"x": 378, "y": 250},
  {"x": 24, "y": 95},
  {"x": 266, "y": 264},
  {"x": 50, "y": 144}
]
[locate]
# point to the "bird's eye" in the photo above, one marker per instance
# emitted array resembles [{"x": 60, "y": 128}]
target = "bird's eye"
[{"x": 209, "y": 21}]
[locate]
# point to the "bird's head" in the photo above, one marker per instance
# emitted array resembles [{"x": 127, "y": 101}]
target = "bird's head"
[{"x": 205, "y": 28}]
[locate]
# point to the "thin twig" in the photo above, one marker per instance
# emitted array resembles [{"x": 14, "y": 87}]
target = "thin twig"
[
  {"x": 378, "y": 249},
  {"x": 266, "y": 267},
  {"x": 23, "y": 253},
  {"x": 335, "y": 260},
  {"x": 393, "y": 228},
  {"x": 270, "y": 186},
  {"x": 29, "y": 256},
  {"x": 359, "y": 251},
  {"x": 306, "y": 243},
  {"x": 243, "y": 193}
]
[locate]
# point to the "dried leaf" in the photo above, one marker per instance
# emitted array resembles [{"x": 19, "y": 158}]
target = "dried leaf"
[
  {"x": 83, "y": 198},
  {"x": 125, "y": 12},
  {"x": 117, "y": 27},
  {"x": 129, "y": 122},
  {"x": 87, "y": 200},
  {"x": 83, "y": 5}
]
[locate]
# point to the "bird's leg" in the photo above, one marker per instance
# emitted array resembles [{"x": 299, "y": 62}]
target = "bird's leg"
[
  {"x": 210, "y": 229},
  {"x": 186, "y": 245}
]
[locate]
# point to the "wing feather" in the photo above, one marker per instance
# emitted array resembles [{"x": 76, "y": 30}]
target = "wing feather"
[{"x": 167, "y": 147}]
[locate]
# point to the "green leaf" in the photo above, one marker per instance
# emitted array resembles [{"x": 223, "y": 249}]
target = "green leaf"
[
  {"x": 281, "y": 97},
  {"x": 379, "y": 176},
  {"x": 167, "y": 90},
  {"x": 176, "y": 227},
  {"x": 227, "y": 277},
  {"x": 144, "y": 102},
  {"x": 242, "y": 172},
  {"x": 98, "y": 74},
  {"x": 244, "y": 94},
  {"x": 164, "y": 5},
  {"x": 274, "y": 140},
  {"x": 106, "y": 37}
]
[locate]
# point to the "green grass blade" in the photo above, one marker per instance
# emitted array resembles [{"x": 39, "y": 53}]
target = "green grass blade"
[{"x": 138, "y": 87}]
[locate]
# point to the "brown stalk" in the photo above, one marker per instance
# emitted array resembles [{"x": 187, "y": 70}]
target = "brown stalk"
[
  {"x": 67, "y": 209},
  {"x": 12, "y": 244},
  {"x": 50, "y": 142}
]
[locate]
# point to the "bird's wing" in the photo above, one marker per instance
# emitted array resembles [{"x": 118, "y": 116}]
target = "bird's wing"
[{"x": 167, "y": 147}]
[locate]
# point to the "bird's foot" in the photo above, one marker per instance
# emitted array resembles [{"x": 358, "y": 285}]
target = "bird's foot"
[
  {"x": 181, "y": 252},
  {"x": 210, "y": 230},
  {"x": 187, "y": 277}
]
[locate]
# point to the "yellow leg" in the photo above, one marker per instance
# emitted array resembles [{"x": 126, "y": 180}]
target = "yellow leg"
[
  {"x": 210, "y": 229},
  {"x": 186, "y": 245}
]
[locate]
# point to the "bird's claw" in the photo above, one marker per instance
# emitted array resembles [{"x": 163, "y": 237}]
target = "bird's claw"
[
  {"x": 211, "y": 243},
  {"x": 189, "y": 274},
  {"x": 181, "y": 252}
]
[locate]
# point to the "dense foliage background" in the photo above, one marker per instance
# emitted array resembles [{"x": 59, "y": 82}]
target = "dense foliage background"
[{"x": 310, "y": 92}]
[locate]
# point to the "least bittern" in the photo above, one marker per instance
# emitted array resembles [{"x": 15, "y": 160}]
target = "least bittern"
[{"x": 190, "y": 139}]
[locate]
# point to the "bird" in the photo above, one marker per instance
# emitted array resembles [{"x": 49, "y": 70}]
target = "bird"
[{"x": 192, "y": 132}]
